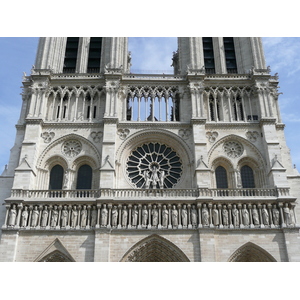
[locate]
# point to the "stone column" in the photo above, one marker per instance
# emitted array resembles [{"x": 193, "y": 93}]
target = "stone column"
[
  {"x": 140, "y": 217},
  {"x": 220, "y": 215},
  {"x": 179, "y": 216},
  {"x": 6, "y": 215},
  {"x": 170, "y": 216},
  {"x": 159, "y": 216},
  {"x": 230, "y": 216},
  {"x": 149, "y": 217},
  {"x": 19, "y": 215},
  {"x": 120, "y": 216},
  {"x": 280, "y": 205},
  {"x": 129, "y": 216},
  {"x": 240, "y": 215},
  {"x": 270, "y": 215},
  {"x": 199, "y": 215},
  {"x": 250, "y": 216},
  {"x": 109, "y": 215},
  {"x": 259, "y": 206},
  {"x": 189, "y": 216}
]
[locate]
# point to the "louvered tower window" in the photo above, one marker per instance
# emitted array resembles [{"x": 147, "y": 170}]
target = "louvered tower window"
[
  {"x": 71, "y": 55},
  {"x": 230, "y": 55},
  {"x": 94, "y": 55},
  {"x": 208, "y": 51}
]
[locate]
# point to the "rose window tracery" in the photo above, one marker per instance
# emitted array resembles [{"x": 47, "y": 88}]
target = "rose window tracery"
[
  {"x": 154, "y": 165},
  {"x": 71, "y": 148},
  {"x": 233, "y": 149}
]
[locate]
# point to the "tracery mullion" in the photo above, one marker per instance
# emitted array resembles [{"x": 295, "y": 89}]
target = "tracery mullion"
[{"x": 243, "y": 106}]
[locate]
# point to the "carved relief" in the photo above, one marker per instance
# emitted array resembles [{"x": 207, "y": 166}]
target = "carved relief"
[
  {"x": 47, "y": 136},
  {"x": 212, "y": 136},
  {"x": 96, "y": 136},
  {"x": 233, "y": 149},
  {"x": 184, "y": 133},
  {"x": 71, "y": 148},
  {"x": 252, "y": 136},
  {"x": 123, "y": 133}
]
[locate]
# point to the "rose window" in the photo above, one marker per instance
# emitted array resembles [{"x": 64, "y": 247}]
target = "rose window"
[
  {"x": 71, "y": 148},
  {"x": 233, "y": 149},
  {"x": 154, "y": 165}
]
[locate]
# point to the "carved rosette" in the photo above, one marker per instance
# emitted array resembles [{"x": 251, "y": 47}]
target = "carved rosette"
[
  {"x": 184, "y": 133},
  {"x": 212, "y": 136},
  {"x": 96, "y": 136},
  {"x": 123, "y": 133},
  {"x": 252, "y": 136},
  {"x": 47, "y": 136},
  {"x": 71, "y": 148},
  {"x": 233, "y": 149}
]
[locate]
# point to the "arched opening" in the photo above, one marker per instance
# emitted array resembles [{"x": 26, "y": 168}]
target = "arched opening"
[
  {"x": 56, "y": 178},
  {"x": 55, "y": 256},
  {"x": 84, "y": 178},
  {"x": 251, "y": 253},
  {"x": 221, "y": 178},
  {"x": 247, "y": 177},
  {"x": 155, "y": 249}
]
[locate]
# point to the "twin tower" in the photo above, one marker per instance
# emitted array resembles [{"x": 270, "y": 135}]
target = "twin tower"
[{"x": 136, "y": 166}]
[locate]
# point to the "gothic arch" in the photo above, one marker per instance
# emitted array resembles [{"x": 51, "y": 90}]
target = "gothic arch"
[
  {"x": 55, "y": 256},
  {"x": 154, "y": 249},
  {"x": 250, "y": 252},
  {"x": 168, "y": 138}
]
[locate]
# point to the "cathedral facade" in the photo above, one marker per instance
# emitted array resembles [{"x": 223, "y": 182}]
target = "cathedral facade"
[{"x": 114, "y": 166}]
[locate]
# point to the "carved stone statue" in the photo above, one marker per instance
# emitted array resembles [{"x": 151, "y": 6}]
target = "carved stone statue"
[
  {"x": 134, "y": 216},
  {"x": 74, "y": 216},
  {"x": 215, "y": 215},
  {"x": 124, "y": 216},
  {"x": 205, "y": 215},
  {"x": 255, "y": 215},
  {"x": 184, "y": 216},
  {"x": 275, "y": 213},
  {"x": 154, "y": 214},
  {"x": 161, "y": 179},
  {"x": 194, "y": 216},
  {"x": 144, "y": 216},
  {"x": 93, "y": 216},
  {"x": 174, "y": 216},
  {"x": 225, "y": 216},
  {"x": 54, "y": 217},
  {"x": 114, "y": 216},
  {"x": 64, "y": 217},
  {"x": 45, "y": 214},
  {"x": 287, "y": 214},
  {"x": 265, "y": 215},
  {"x": 66, "y": 179},
  {"x": 104, "y": 215},
  {"x": 83, "y": 216},
  {"x": 235, "y": 216},
  {"x": 245, "y": 215},
  {"x": 34, "y": 217},
  {"x": 147, "y": 179},
  {"x": 24, "y": 217},
  {"x": 165, "y": 216},
  {"x": 12, "y": 216},
  {"x": 154, "y": 177}
]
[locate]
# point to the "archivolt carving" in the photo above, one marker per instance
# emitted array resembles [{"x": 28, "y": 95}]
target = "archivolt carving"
[{"x": 233, "y": 149}]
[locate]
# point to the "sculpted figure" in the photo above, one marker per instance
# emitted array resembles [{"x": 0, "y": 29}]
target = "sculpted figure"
[
  {"x": 275, "y": 213},
  {"x": 144, "y": 216},
  {"x": 205, "y": 215},
  {"x": 74, "y": 217},
  {"x": 154, "y": 214},
  {"x": 235, "y": 215},
  {"x": 154, "y": 178},
  {"x": 184, "y": 216},
  {"x": 64, "y": 217},
  {"x": 104, "y": 214},
  {"x": 54, "y": 217},
  {"x": 287, "y": 214},
  {"x": 265, "y": 215},
  {"x": 34, "y": 217},
  {"x": 124, "y": 216},
  {"x": 114, "y": 216},
  {"x": 135, "y": 214},
  {"x": 174, "y": 216},
  {"x": 194, "y": 215},
  {"x": 24, "y": 217},
  {"x": 245, "y": 215},
  {"x": 12, "y": 216},
  {"x": 66, "y": 180},
  {"x": 165, "y": 216},
  {"x": 147, "y": 179},
  {"x": 225, "y": 216},
  {"x": 93, "y": 216},
  {"x": 161, "y": 179},
  {"x": 83, "y": 216},
  {"x": 45, "y": 214},
  {"x": 255, "y": 215},
  {"x": 215, "y": 214}
]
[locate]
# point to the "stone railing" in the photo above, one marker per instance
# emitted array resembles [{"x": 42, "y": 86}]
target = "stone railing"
[
  {"x": 149, "y": 215},
  {"x": 149, "y": 193}
]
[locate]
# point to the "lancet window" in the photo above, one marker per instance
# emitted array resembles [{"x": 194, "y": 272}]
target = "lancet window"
[
  {"x": 94, "y": 55},
  {"x": 238, "y": 109},
  {"x": 84, "y": 178},
  {"x": 214, "y": 108},
  {"x": 230, "y": 55},
  {"x": 247, "y": 177},
  {"x": 56, "y": 178},
  {"x": 208, "y": 51},
  {"x": 71, "y": 55},
  {"x": 221, "y": 178},
  {"x": 153, "y": 104}
]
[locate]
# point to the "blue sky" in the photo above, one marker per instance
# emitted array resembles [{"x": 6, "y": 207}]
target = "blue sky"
[{"x": 154, "y": 54}]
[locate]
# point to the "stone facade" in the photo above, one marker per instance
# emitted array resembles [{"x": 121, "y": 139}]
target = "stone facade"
[{"x": 113, "y": 166}]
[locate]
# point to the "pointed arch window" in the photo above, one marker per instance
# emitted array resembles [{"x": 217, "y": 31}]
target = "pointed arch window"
[
  {"x": 71, "y": 55},
  {"x": 230, "y": 55},
  {"x": 221, "y": 178},
  {"x": 94, "y": 55},
  {"x": 208, "y": 51},
  {"x": 84, "y": 178},
  {"x": 56, "y": 178},
  {"x": 247, "y": 177}
]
